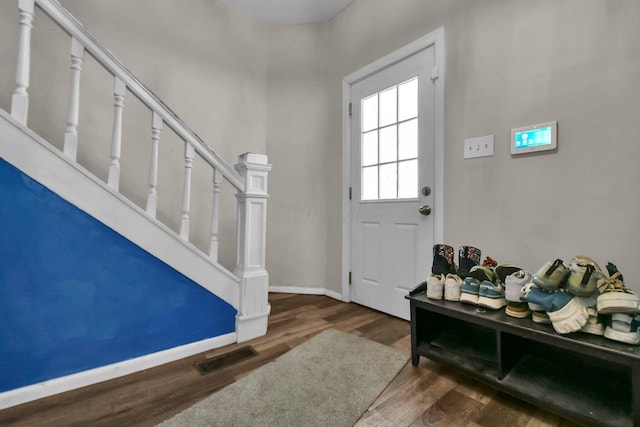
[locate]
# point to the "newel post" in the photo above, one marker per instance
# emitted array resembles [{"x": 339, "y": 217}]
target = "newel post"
[{"x": 254, "y": 308}]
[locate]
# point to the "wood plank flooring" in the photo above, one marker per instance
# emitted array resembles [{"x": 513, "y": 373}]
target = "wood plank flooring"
[{"x": 426, "y": 395}]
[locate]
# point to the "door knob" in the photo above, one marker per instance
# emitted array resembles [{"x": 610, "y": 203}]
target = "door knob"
[{"x": 425, "y": 209}]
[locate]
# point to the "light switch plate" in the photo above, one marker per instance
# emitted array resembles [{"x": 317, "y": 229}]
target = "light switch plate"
[{"x": 478, "y": 147}]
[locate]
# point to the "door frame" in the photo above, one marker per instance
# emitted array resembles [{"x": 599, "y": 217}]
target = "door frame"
[{"x": 435, "y": 38}]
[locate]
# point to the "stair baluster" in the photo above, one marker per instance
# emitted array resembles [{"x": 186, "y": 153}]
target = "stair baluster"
[
  {"x": 71, "y": 135},
  {"x": 189, "y": 154},
  {"x": 116, "y": 136},
  {"x": 152, "y": 196},
  {"x": 20, "y": 98},
  {"x": 217, "y": 183}
]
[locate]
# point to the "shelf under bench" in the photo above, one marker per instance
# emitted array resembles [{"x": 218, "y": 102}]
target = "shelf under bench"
[{"x": 586, "y": 378}]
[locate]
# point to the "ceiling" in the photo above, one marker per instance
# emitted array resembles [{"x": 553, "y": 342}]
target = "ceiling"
[{"x": 278, "y": 12}]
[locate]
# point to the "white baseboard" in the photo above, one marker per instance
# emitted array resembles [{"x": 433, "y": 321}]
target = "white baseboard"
[
  {"x": 81, "y": 379},
  {"x": 306, "y": 291}
]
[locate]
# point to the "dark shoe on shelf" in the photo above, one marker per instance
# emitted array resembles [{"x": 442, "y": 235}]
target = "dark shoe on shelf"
[
  {"x": 468, "y": 257},
  {"x": 443, "y": 262}
]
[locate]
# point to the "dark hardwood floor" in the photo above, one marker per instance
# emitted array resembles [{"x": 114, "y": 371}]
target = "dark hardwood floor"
[{"x": 426, "y": 395}]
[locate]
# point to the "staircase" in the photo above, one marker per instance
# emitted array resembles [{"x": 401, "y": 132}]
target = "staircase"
[{"x": 111, "y": 288}]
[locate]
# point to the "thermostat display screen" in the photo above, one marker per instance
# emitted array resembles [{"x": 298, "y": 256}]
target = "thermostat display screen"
[
  {"x": 533, "y": 138},
  {"x": 540, "y": 137}
]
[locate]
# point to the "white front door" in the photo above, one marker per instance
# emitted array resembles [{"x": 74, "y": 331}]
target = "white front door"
[{"x": 392, "y": 177}]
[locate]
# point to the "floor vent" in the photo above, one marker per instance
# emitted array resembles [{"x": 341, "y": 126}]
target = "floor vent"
[{"x": 224, "y": 360}]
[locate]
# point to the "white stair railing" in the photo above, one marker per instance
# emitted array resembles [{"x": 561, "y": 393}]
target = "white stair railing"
[{"x": 249, "y": 177}]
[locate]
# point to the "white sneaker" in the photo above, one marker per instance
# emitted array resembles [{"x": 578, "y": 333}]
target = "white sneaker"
[
  {"x": 570, "y": 318},
  {"x": 594, "y": 324},
  {"x": 452, "y": 287},
  {"x": 435, "y": 286},
  {"x": 624, "y": 328}
]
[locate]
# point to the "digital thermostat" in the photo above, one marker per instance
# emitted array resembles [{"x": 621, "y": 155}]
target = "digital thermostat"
[{"x": 540, "y": 137}]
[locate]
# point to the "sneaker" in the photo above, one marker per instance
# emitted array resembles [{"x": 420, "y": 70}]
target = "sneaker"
[
  {"x": 624, "y": 328},
  {"x": 519, "y": 310},
  {"x": 491, "y": 295},
  {"x": 612, "y": 269},
  {"x": 595, "y": 322},
  {"x": 435, "y": 286},
  {"x": 469, "y": 291},
  {"x": 443, "y": 260},
  {"x": 481, "y": 273},
  {"x": 502, "y": 271},
  {"x": 514, "y": 283},
  {"x": 532, "y": 305},
  {"x": 551, "y": 276},
  {"x": 565, "y": 312},
  {"x": 583, "y": 278},
  {"x": 468, "y": 257},
  {"x": 615, "y": 297},
  {"x": 540, "y": 317},
  {"x": 452, "y": 287}
]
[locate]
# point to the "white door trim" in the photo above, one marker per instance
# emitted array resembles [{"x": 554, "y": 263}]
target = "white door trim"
[{"x": 435, "y": 38}]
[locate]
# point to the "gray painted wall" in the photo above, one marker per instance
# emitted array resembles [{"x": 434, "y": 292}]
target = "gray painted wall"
[{"x": 510, "y": 64}]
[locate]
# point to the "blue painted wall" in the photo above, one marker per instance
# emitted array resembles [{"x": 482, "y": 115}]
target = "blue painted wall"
[{"x": 75, "y": 295}]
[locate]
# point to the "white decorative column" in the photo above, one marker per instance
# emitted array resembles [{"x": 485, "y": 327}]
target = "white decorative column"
[{"x": 253, "y": 312}]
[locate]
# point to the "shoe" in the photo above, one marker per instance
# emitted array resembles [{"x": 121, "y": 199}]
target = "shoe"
[
  {"x": 514, "y": 283},
  {"x": 589, "y": 301},
  {"x": 452, "y": 287},
  {"x": 595, "y": 323},
  {"x": 443, "y": 260},
  {"x": 469, "y": 291},
  {"x": 532, "y": 306},
  {"x": 491, "y": 295},
  {"x": 583, "y": 278},
  {"x": 480, "y": 273},
  {"x": 468, "y": 257},
  {"x": 435, "y": 286},
  {"x": 570, "y": 318},
  {"x": 502, "y": 271},
  {"x": 519, "y": 310},
  {"x": 489, "y": 262},
  {"x": 615, "y": 297},
  {"x": 566, "y": 314},
  {"x": 551, "y": 276},
  {"x": 612, "y": 269},
  {"x": 624, "y": 328},
  {"x": 540, "y": 317}
]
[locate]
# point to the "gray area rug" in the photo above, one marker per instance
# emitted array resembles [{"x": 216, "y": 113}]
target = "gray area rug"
[{"x": 330, "y": 380}]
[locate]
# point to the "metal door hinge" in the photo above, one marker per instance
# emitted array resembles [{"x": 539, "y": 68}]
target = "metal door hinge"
[
  {"x": 435, "y": 73},
  {"x": 350, "y": 192},
  {"x": 350, "y": 109},
  {"x": 349, "y": 277}
]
